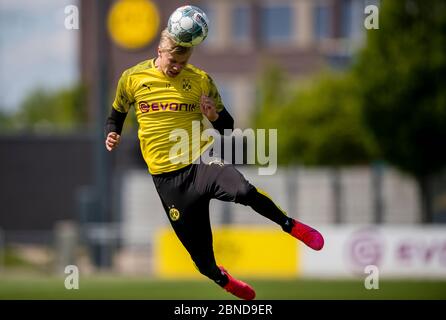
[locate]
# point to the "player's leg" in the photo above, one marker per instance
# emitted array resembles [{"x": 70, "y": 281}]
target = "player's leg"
[
  {"x": 194, "y": 232},
  {"x": 228, "y": 184},
  {"x": 260, "y": 201},
  {"x": 188, "y": 213}
]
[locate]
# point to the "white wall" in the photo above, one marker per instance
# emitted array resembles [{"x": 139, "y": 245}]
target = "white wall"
[{"x": 397, "y": 251}]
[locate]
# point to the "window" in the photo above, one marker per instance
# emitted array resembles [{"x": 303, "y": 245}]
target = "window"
[
  {"x": 276, "y": 23},
  {"x": 241, "y": 23},
  {"x": 322, "y": 22},
  {"x": 346, "y": 18}
]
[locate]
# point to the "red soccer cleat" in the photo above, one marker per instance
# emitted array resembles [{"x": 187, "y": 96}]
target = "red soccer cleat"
[
  {"x": 238, "y": 288},
  {"x": 307, "y": 235}
]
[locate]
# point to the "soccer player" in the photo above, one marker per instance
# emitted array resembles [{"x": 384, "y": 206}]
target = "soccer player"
[{"x": 169, "y": 94}]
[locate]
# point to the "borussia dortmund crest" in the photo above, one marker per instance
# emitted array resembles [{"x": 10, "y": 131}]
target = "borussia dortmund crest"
[
  {"x": 174, "y": 214},
  {"x": 187, "y": 86}
]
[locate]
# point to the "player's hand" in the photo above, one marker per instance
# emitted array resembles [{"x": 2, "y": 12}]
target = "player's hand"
[
  {"x": 112, "y": 141},
  {"x": 207, "y": 107}
]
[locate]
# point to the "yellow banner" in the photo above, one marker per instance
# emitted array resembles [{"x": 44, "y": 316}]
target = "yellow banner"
[{"x": 247, "y": 251}]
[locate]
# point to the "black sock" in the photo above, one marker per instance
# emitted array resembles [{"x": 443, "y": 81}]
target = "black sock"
[
  {"x": 222, "y": 280},
  {"x": 262, "y": 204},
  {"x": 208, "y": 268},
  {"x": 288, "y": 225}
]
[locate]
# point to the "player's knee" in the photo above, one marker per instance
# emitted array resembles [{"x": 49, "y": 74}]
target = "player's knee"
[{"x": 244, "y": 193}]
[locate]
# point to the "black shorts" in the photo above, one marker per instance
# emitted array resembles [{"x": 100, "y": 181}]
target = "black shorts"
[{"x": 186, "y": 194}]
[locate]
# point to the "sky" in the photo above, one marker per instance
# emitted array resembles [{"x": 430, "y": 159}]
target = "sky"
[{"x": 36, "y": 50}]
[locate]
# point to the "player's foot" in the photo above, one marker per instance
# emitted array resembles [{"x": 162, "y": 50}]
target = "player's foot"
[
  {"x": 307, "y": 235},
  {"x": 238, "y": 288}
]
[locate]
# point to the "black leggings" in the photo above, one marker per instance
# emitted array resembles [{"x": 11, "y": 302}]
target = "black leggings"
[{"x": 185, "y": 195}]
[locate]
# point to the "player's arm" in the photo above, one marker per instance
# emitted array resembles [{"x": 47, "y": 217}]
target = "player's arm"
[
  {"x": 212, "y": 107},
  {"x": 119, "y": 110},
  {"x": 220, "y": 120},
  {"x": 223, "y": 121},
  {"x": 113, "y": 128}
]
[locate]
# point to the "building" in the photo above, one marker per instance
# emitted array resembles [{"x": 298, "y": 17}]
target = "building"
[{"x": 301, "y": 36}]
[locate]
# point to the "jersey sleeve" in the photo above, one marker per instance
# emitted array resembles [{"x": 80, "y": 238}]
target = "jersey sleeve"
[
  {"x": 210, "y": 89},
  {"x": 124, "y": 94}
]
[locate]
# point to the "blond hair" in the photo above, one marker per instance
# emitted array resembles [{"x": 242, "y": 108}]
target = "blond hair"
[{"x": 167, "y": 43}]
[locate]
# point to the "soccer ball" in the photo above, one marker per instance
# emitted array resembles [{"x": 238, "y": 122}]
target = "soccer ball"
[{"x": 188, "y": 25}]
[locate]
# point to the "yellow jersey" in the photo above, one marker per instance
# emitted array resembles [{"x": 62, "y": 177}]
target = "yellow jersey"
[{"x": 168, "y": 113}]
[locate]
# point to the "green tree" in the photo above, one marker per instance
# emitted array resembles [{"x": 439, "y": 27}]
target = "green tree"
[
  {"x": 320, "y": 124},
  {"x": 401, "y": 76},
  {"x": 6, "y": 121},
  {"x": 63, "y": 109}
]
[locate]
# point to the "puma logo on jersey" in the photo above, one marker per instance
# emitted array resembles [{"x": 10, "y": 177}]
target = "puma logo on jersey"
[{"x": 148, "y": 86}]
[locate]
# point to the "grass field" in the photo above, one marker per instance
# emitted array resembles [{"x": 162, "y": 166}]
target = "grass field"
[{"x": 118, "y": 287}]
